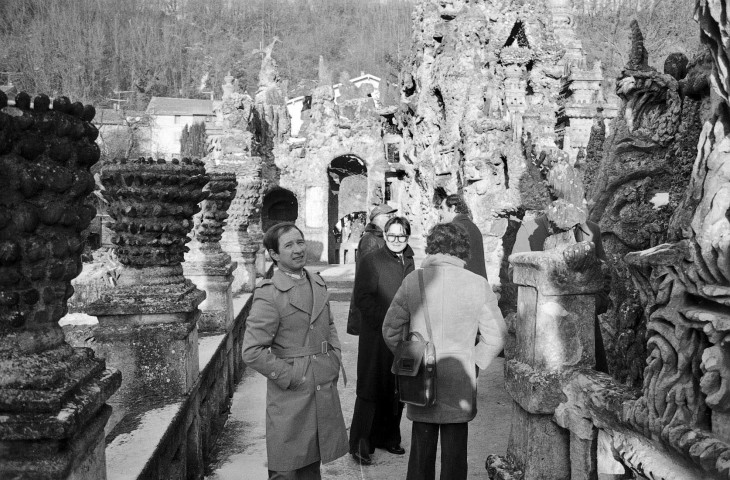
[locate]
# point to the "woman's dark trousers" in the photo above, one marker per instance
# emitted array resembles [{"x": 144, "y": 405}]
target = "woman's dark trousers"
[
  {"x": 375, "y": 425},
  {"x": 424, "y": 439}
]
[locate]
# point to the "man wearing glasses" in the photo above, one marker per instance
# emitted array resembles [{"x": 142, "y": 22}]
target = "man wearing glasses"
[
  {"x": 371, "y": 240},
  {"x": 377, "y": 415}
]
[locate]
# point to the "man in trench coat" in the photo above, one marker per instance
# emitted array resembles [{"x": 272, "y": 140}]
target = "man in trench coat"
[{"x": 291, "y": 339}]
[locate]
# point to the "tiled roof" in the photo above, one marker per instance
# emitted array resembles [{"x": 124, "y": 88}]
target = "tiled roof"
[{"x": 179, "y": 106}]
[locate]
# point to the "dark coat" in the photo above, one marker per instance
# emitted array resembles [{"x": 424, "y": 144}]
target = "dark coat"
[
  {"x": 475, "y": 264},
  {"x": 370, "y": 241},
  {"x": 378, "y": 277},
  {"x": 304, "y": 420}
]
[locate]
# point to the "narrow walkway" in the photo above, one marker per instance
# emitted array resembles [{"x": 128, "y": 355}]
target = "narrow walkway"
[{"x": 240, "y": 453}]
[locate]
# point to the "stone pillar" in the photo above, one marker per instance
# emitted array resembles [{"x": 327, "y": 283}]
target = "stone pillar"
[
  {"x": 243, "y": 211},
  {"x": 249, "y": 251},
  {"x": 584, "y": 104},
  {"x": 207, "y": 265},
  {"x": 52, "y": 396},
  {"x": 554, "y": 331},
  {"x": 148, "y": 323}
]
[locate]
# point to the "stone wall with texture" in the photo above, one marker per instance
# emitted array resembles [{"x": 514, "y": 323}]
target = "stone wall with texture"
[
  {"x": 637, "y": 179},
  {"x": 480, "y": 75}
]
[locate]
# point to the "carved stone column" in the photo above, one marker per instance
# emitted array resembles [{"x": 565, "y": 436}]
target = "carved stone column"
[
  {"x": 249, "y": 254},
  {"x": 207, "y": 265},
  {"x": 52, "y": 396},
  {"x": 553, "y": 331},
  {"x": 244, "y": 211},
  {"x": 148, "y": 323}
]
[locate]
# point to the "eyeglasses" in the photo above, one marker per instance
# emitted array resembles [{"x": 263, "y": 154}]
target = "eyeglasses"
[{"x": 396, "y": 238}]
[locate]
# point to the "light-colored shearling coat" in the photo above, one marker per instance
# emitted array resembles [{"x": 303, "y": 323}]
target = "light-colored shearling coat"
[
  {"x": 460, "y": 304},
  {"x": 304, "y": 420}
]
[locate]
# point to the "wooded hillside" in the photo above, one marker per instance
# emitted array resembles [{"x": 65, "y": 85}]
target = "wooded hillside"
[{"x": 87, "y": 49}]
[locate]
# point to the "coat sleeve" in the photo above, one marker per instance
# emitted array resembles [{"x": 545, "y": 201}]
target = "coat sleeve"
[
  {"x": 492, "y": 331},
  {"x": 367, "y": 244},
  {"x": 365, "y": 293},
  {"x": 334, "y": 338},
  {"x": 397, "y": 319},
  {"x": 261, "y": 327}
]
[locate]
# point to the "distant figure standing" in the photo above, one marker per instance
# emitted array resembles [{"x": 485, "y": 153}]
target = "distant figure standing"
[
  {"x": 291, "y": 339},
  {"x": 455, "y": 210},
  {"x": 377, "y": 415},
  {"x": 371, "y": 240}
]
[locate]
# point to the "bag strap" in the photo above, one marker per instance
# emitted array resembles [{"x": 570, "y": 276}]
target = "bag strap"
[{"x": 425, "y": 304}]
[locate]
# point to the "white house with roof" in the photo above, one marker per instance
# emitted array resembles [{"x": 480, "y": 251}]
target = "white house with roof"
[
  {"x": 296, "y": 105},
  {"x": 168, "y": 116}
]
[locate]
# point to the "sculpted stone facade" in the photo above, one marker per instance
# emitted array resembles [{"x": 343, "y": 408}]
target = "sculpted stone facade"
[
  {"x": 251, "y": 129},
  {"x": 677, "y": 424},
  {"x": 337, "y": 167},
  {"x": 638, "y": 180},
  {"x": 481, "y": 75}
]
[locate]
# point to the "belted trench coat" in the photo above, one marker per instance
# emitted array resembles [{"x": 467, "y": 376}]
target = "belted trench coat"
[{"x": 284, "y": 342}]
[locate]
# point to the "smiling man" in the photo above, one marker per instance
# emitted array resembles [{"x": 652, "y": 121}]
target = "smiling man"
[{"x": 291, "y": 339}]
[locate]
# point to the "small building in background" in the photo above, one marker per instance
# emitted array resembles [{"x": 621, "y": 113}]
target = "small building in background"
[{"x": 168, "y": 116}]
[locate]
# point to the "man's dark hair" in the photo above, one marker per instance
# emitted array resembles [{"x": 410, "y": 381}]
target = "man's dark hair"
[
  {"x": 402, "y": 221},
  {"x": 439, "y": 195},
  {"x": 273, "y": 234},
  {"x": 450, "y": 239},
  {"x": 458, "y": 202}
]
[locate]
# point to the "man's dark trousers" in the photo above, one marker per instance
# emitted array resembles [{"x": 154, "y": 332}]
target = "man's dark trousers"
[{"x": 424, "y": 439}]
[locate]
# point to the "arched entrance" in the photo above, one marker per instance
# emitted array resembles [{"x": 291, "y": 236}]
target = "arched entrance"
[
  {"x": 347, "y": 206},
  {"x": 280, "y": 205}
]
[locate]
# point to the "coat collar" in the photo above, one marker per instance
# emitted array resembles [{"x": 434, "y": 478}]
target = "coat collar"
[
  {"x": 461, "y": 218},
  {"x": 407, "y": 253},
  {"x": 442, "y": 260},
  {"x": 285, "y": 283},
  {"x": 374, "y": 230}
]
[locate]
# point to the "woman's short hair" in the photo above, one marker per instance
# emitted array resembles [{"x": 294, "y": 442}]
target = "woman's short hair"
[
  {"x": 272, "y": 235},
  {"x": 450, "y": 239},
  {"x": 402, "y": 221}
]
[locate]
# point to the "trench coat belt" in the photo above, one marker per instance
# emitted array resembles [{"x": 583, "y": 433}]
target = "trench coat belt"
[{"x": 295, "y": 352}]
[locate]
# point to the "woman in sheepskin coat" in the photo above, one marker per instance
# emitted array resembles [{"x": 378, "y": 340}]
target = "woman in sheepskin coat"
[{"x": 460, "y": 305}]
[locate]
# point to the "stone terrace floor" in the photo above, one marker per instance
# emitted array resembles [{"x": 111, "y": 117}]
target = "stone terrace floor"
[{"x": 241, "y": 450}]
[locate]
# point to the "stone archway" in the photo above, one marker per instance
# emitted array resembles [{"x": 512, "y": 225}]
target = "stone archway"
[
  {"x": 279, "y": 205},
  {"x": 346, "y": 206}
]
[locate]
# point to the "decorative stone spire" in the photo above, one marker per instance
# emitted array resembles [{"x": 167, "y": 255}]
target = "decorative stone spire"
[{"x": 638, "y": 56}]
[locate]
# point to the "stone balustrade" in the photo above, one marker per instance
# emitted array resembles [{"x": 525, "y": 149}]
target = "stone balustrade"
[
  {"x": 552, "y": 332},
  {"x": 570, "y": 421}
]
